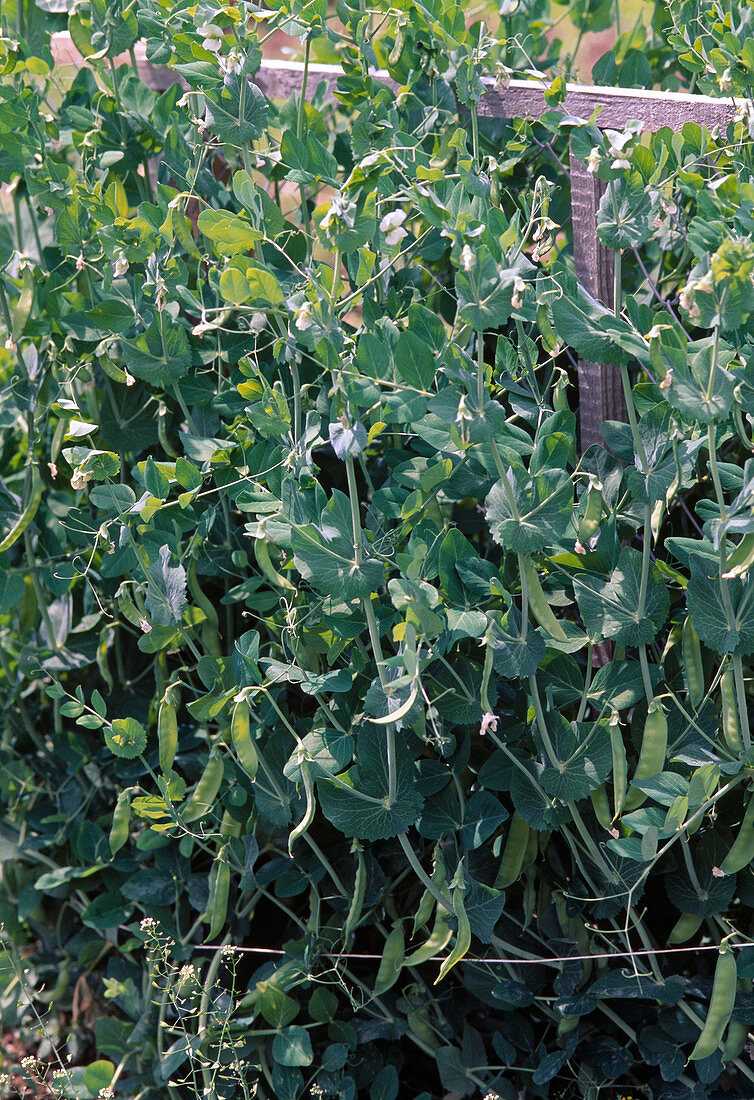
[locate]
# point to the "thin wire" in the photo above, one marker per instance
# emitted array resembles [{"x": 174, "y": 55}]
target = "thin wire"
[{"x": 517, "y": 962}]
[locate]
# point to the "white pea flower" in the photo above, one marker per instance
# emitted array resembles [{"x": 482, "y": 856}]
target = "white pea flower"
[
  {"x": 130, "y": 380},
  {"x": 725, "y": 81},
  {"x": 80, "y": 479},
  {"x": 302, "y": 318},
  {"x": 212, "y": 35},
  {"x": 258, "y": 321},
  {"x": 120, "y": 267},
  {"x": 468, "y": 259},
  {"x": 392, "y": 226},
  {"x": 489, "y": 722},
  {"x": 519, "y": 286},
  {"x": 594, "y": 160}
]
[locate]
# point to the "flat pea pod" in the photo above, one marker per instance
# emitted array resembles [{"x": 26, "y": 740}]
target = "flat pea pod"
[
  {"x": 264, "y": 561},
  {"x": 735, "y": 1040},
  {"x": 29, "y": 512},
  {"x": 550, "y": 342},
  {"x": 559, "y": 396},
  {"x": 463, "y": 935},
  {"x": 219, "y": 890},
  {"x": 590, "y": 521},
  {"x": 742, "y": 850},
  {"x": 357, "y": 898},
  {"x": 741, "y": 559},
  {"x": 439, "y": 939},
  {"x": 398, "y": 47},
  {"x": 311, "y": 806},
  {"x": 391, "y": 963},
  {"x": 512, "y": 859},
  {"x": 693, "y": 668},
  {"x": 121, "y": 826},
  {"x": 654, "y": 746},
  {"x": 205, "y": 792},
  {"x": 620, "y": 766},
  {"x": 243, "y": 742},
  {"x": 687, "y": 925},
  {"x": 210, "y": 638},
  {"x": 601, "y": 807},
  {"x": 424, "y": 912},
  {"x": 167, "y": 735},
  {"x": 229, "y": 826},
  {"x": 538, "y": 604},
  {"x": 720, "y": 1007},
  {"x": 730, "y": 722}
]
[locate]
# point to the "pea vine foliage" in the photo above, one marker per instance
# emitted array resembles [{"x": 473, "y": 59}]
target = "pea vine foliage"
[{"x": 307, "y": 592}]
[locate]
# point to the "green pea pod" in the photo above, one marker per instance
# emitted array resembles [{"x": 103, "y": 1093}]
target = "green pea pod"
[
  {"x": 559, "y": 395},
  {"x": 654, "y": 746},
  {"x": 398, "y": 47},
  {"x": 720, "y": 1007},
  {"x": 311, "y": 806},
  {"x": 357, "y": 898},
  {"x": 229, "y": 826},
  {"x": 539, "y": 606},
  {"x": 735, "y": 1040},
  {"x": 424, "y": 912},
  {"x": 512, "y": 859},
  {"x": 391, "y": 963},
  {"x": 28, "y": 514},
  {"x": 620, "y": 767},
  {"x": 205, "y": 792},
  {"x": 167, "y": 735},
  {"x": 243, "y": 742},
  {"x": 687, "y": 925},
  {"x": 601, "y": 807},
  {"x": 741, "y": 559},
  {"x": 730, "y": 723},
  {"x": 219, "y": 889},
  {"x": 262, "y": 554},
  {"x": 590, "y": 521},
  {"x": 693, "y": 669},
  {"x": 550, "y": 342},
  {"x": 439, "y": 939},
  {"x": 121, "y": 826},
  {"x": 210, "y": 638},
  {"x": 463, "y": 935},
  {"x": 742, "y": 850}
]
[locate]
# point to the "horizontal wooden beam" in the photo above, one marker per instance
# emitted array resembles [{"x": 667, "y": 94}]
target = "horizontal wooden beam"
[
  {"x": 617, "y": 106},
  {"x": 518, "y": 99}
]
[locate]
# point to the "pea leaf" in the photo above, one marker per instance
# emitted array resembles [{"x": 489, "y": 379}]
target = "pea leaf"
[
  {"x": 166, "y": 590},
  {"x": 590, "y": 328},
  {"x": 126, "y": 738},
  {"x": 610, "y": 608},
  {"x": 158, "y": 363},
  {"x": 514, "y": 656},
  {"x": 707, "y": 608},
  {"x": 238, "y": 112},
  {"x": 376, "y": 820},
  {"x": 324, "y": 554},
  {"x": 543, "y": 507},
  {"x": 626, "y": 210},
  {"x": 584, "y": 759}
]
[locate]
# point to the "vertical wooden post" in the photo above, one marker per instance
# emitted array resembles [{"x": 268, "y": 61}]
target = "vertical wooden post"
[{"x": 600, "y": 389}]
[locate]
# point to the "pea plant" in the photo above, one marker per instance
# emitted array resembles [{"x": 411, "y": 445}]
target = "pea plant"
[{"x": 363, "y": 736}]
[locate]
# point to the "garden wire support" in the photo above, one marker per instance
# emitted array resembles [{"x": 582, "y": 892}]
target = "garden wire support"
[{"x": 600, "y": 391}]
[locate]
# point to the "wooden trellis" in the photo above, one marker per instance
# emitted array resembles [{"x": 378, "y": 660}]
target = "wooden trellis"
[{"x": 600, "y": 391}]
